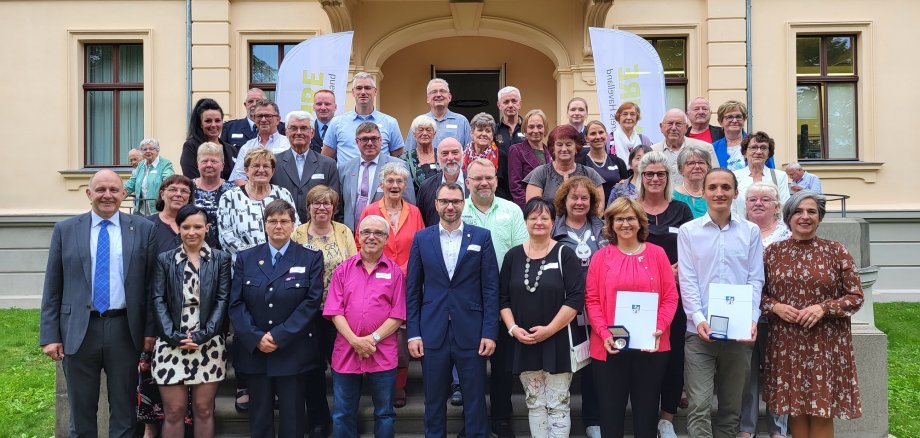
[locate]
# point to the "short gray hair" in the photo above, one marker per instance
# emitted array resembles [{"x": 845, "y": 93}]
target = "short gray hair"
[
  {"x": 793, "y": 203},
  {"x": 423, "y": 120},
  {"x": 682, "y": 112},
  {"x": 483, "y": 120},
  {"x": 794, "y": 166},
  {"x": 654, "y": 157},
  {"x": 151, "y": 141},
  {"x": 508, "y": 89},
  {"x": 437, "y": 81},
  {"x": 396, "y": 167},
  {"x": 763, "y": 186},
  {"x": 374, "y": 218},
  {"x": 299, "y": 115},
  {"x": 363, "y": 75},
  {"x": 690, "y": 150}
]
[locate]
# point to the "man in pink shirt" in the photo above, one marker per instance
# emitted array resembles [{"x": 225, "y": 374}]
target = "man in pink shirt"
[{"x": 367, "y": 303}]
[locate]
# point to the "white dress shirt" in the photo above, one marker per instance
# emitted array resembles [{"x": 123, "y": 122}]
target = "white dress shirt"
[
  {"x": 277, "y": 143},
  {"x": 709, "y": 254},
  {"x": 116, "y": 261},
  {"x": 450, "y": 247}
]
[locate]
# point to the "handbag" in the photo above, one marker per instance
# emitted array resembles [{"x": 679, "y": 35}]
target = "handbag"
[{"x": 579, "y": 355}]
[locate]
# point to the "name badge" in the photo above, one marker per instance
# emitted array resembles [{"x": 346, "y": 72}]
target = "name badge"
[
  {"x": 237, "y": 135},
  {"x": 474, "y": 248},
  {"x": 298, "y": 270},
  {"x": 451, "y": 126},
  {"x": 612, "y": 167},
  {"x": 380, "y": 125},
  {"x": 384, "y": 275},
  {"x": 153, "y": 171},
  {"x": 672, "y": 230},
  {"x": 553, "y": 265},
  {"x": 318, "y": 176},
  {"x": 520, "y": 134}
]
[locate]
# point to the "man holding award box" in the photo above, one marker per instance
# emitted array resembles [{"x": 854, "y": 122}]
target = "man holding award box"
[{"x": 721, "y": 271}]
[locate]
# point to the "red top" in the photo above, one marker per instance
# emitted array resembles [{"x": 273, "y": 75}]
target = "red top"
[
  {"x": 611, "y": 271},
  {"x": 704, "y": 136},
  {"x": 400, "y": 240}
]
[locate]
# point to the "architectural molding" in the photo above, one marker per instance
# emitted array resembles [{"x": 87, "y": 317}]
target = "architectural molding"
[
  {"x": 595, "y": 16},
  {"x": 466, "y": 16},
  {"x": 339, "y": 12}
]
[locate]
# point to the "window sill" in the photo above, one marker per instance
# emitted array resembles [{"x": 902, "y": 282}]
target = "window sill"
[
  {"x": 830, "y": 169},
  {"x": 74, "y": 179}
]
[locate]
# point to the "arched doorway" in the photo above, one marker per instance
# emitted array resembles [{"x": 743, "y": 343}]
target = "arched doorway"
[{"x": 408, "y": 70}]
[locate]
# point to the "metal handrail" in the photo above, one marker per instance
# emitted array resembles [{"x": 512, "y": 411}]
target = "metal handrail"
[{"x": 837, "y": 197}]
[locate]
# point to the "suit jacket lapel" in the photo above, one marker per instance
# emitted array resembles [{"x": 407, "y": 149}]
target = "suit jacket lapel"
[
  {"x": 438, "y": 250},
  {"x": 127, "y": 241},
  {"x": 464, "y": 243},
  {"x": 289, "y": 164},
  {"x": 83, "y": 236},
  {"x": 309, "y": 168}
]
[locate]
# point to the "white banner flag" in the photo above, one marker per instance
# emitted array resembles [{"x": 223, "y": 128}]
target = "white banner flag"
[
  {"x": 315, "y": 64},
  {"x": 628, "y": 69}
]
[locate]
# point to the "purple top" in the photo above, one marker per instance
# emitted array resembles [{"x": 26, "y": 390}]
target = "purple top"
[
  {"x": 521, "y": 161},
  {"x": 366, "y": 300}
]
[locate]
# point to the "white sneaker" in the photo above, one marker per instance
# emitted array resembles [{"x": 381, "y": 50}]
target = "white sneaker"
[
  {"x": 666, "y": 429},
  {"x": 593, "y": 431}
]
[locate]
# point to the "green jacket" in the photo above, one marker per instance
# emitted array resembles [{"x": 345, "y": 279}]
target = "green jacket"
[{"x": 161, "y": 169}]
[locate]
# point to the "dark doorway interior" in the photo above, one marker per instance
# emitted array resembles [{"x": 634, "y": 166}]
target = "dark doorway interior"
[{"x": 473, "y": 91}]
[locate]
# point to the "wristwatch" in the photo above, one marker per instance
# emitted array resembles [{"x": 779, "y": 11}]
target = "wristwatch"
[{"x": 376, "y": 337}]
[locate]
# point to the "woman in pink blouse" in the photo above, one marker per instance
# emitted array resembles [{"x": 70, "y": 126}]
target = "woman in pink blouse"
[{"x": 628, "y": 264}]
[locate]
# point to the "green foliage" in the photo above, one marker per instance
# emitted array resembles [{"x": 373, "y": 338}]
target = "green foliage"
[
  {"x": 26, "y": 377},
  {"x": 901, "y": 322}
]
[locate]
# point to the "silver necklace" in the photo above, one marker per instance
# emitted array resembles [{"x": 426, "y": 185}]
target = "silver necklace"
[
  {"x": 536, "y": 282},
  {"x": 633, "y": 252}
]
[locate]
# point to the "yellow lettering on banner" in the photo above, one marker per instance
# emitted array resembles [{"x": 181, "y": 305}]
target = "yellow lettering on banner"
[
  {"x": 306, "y": 95},
  {"x": 629, "y": 87}
]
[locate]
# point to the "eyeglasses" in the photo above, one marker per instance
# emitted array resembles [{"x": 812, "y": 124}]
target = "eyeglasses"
[
  {"x": 394, "y": 181},
  {"x": 265, "y": 116},
  {"x": 763, "y": 200},
  {"x": 652, "y": 175},
  {"x": 733, "y": 117},
  {"x": 148, "y": 148},
  {"x": 299, "y": 128},
  {"x": 323, "y": 204},
  {"x": 758, "y": 148},
  {"x": 174, "y": 190},
  {"x": 438, "y": 91},
  {"x": 363, "y": 88},
  {"x": 454, "y": 202},
  {"x": 368, "y": 139},
  {"x": 256, "y": 166},
  {"x": 277, "y": 222},
  {"x": 488, "y": 178},
  {"x": 623, "y": 220},
  {"x": 375, "y": 233},
  {"x": 696, "y": 164}
]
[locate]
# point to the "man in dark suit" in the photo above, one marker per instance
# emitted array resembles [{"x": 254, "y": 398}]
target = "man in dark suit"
[
  {"x": 238, "y": 131},
  {"x": 360, "y": 176},
  {"x": 300, "y": 168},
  {"x": 324, "y": 107},
  {"x": 276, "y": 294},
  {"x": 450, "y": 158},
  {"x": 94, "y": 305},
  {"x": 452, "y": 312}
]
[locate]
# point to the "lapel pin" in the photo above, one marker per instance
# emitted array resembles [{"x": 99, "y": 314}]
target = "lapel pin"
[
  {"x": 130, "y": 228},
  {"x": 261, "y": 262},
  {"x": 467, "y": 235}
]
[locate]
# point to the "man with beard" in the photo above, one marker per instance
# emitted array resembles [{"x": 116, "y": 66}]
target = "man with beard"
[
  {"x": 301, "y": 168},
  {"x": 674, "y": 127},
  {"x": 449, "y": 123},
  {"x": 450, "y": 158},
  {"x": 324, "y": 107},
  {"x": 699, "y": 113},
  {"x": 267, "y": 119},
  {"x": 505, "y": 223},
  {"x": 507, "y": 133}
]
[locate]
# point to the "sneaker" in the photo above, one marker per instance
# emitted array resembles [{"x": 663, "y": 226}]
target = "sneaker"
[
  {"x": 502, "y": 429},
  {"x": 456, "y": 397},
  {"x": 666, "y": 429},
  {"x": 593, "y": 431}
]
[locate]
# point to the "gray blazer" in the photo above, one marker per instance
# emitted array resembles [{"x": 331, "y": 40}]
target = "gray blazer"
[
  {"x": 317, "y": 169},
  {"x": 68, "y": 292},
  {"x": 348, "y": 177}
]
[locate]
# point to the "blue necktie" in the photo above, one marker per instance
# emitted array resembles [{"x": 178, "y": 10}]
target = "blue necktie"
[
  {"x": 276, "y": 258},
  {"x": 101, "y": 280}
]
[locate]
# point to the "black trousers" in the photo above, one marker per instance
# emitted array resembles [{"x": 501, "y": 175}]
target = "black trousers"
[
  {"x": 290, "y": 392},
  {"x": 673, "y": 384},
  {"x": 317, "y": 405},
  {"x": 501, "y": 379},
  {"x": 629, "y": 376}
]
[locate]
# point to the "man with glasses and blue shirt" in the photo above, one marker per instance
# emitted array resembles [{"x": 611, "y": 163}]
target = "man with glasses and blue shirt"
[
  {"x": 338, "y": 142},
  {"x": 449, "y": 123},
  {"x": 266, "y": 117}
]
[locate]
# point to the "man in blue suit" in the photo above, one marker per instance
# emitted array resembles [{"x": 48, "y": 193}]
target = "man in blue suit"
[
  {"x": 276, "y": 294},
  {"x": 94, "y": 306},
  {"x": 452, "y": 308}
]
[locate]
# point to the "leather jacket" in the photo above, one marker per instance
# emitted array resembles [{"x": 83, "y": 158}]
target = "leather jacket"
[{"x": 168, "y": 300}]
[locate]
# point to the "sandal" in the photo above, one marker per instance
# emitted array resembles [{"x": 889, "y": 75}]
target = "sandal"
[{"x": 242, "y": 406}]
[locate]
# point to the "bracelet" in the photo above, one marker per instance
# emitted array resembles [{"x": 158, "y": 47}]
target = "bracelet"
[{"x": 511, "y": 330}]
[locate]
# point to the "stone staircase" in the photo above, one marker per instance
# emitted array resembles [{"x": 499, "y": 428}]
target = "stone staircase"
[{"x": 410, "y": 419}]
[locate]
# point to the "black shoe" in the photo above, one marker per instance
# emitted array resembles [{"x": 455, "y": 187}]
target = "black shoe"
[
  {"x": 502, "y": 429},
  {"x": 241, "y": 407},
  {"x": 462, "y": 433},
  {"x": 319, "y": 432},
  {"x": 456, "y": 397}
]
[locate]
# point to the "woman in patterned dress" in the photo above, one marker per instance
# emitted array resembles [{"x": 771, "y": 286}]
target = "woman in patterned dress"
[
  {"x": 191, "y": 287},
  {"x": 209, "y": 187},
  {"x": 811, "y": 290}
]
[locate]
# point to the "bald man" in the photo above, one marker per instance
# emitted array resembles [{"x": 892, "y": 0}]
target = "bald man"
[{"x": 94, "y": 305}]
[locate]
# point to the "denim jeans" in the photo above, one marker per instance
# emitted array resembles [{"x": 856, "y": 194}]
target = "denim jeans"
[{"x": 346, "y": 390}]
